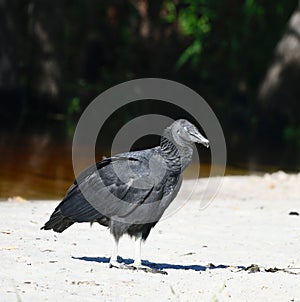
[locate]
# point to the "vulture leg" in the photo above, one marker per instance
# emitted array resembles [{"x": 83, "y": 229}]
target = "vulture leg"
[
  {"x": 114, "y": 255},
  {"x": 137, "y": 259},
  {"x": 137, "y": 264},
  {"x": 114, "y": 258}
]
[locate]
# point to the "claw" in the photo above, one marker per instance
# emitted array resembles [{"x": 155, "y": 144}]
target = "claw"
[
  {"x": 115, "y": 264},
  {"x": 146, "y": 269},
  {"x": 150, "y": 270}
]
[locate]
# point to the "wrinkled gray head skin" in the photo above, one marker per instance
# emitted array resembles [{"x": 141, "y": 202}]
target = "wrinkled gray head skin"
[{"x": 185, "y": 133}]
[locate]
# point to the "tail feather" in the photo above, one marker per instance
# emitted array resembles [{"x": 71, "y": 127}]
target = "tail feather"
[
  {"x": 73, "y": 208},
  {"x": 57, "y": 222}
]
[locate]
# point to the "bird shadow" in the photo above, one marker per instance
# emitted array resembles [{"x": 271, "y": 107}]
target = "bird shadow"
[{"x": 159, "y": 266}]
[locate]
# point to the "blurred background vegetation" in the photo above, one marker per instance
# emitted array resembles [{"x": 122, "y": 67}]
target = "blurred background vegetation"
[{"x": 242, "y": 56}]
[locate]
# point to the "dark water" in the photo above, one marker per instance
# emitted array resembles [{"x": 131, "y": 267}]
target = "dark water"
[{"x": 36, "y": 162}]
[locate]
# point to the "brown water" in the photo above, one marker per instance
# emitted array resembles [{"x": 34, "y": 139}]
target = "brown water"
[
  {"x": 37, "y": 164},
  {"x": 34, "y": 166}
]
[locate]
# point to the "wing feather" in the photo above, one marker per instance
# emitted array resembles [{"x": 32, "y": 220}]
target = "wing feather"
[
  {"x": 120, "y": 186},
  {"x": 108, "y": 190}
]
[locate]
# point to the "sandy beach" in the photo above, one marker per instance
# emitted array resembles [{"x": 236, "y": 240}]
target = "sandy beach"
[{"x": 206, "y": 252}]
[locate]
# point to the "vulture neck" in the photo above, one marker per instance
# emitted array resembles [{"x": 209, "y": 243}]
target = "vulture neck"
[{"x": 176, "y": 153}]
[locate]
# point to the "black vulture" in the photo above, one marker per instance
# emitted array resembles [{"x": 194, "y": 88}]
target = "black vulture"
[{"x": 129, "y": 192}]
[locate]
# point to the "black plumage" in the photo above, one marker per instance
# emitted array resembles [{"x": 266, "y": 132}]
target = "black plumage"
[{"x": 130, "y": 192}]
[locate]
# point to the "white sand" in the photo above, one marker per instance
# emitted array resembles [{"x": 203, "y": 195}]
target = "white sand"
[{"x": 248, "y": 222}]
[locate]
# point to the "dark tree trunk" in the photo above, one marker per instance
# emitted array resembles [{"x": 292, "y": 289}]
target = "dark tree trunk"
[
  {"x": 8, "y": 56},
  {"x": 279, "y": 95},
  {"x": 280, "y": 90},
  {"x": 46, "y": 37}
]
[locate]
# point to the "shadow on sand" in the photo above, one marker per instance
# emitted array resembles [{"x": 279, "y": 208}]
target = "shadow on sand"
[{"x": 159, "y": 266}]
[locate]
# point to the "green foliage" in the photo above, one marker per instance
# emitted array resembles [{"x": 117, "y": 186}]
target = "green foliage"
[
  {"x": 229, "y": 31},
  {"x": 292, "y": 135},
  {"x": 170, "y": 8},
  {"x": 194, "y": 19},
  {"x": 196, "y": 25},
  {"x": 74, "y": 107},
  {"x": 253, "y": 9},
  {"x": 192, "y": 53}
]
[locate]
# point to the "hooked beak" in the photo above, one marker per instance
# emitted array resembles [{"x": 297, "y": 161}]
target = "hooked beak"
[
  {"x": 201, "y": 140},
  {"x": 205, "y": 142}
]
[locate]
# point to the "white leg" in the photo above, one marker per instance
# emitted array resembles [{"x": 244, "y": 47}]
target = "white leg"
[
  {"x": 137, "y": 258},
  {"x": 114, "y": 258},
  {"x": 137, "y": 264},
  {"x": 114, "y": 255}
]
